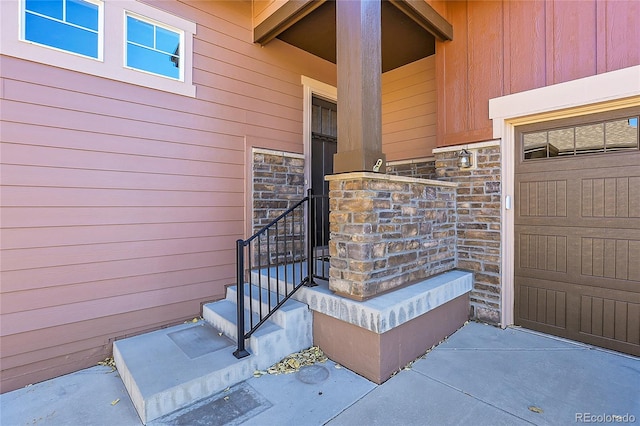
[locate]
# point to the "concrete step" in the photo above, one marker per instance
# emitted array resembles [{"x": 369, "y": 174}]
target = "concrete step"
[
  {"x": 290, "y": 313},
  {"x": 171, "y": 368},
  {"x": 222, "y": 315},
  {"x": 285, "y": 276},
  {"x": 288, "y": 330}
]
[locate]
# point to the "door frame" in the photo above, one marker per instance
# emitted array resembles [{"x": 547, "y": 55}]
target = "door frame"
[
  {"x": 312, "y": 87},
  {"x": 598, "y": 93}
]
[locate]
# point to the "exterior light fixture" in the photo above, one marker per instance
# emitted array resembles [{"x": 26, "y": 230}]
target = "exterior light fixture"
[{"x": 465, "y": 159}]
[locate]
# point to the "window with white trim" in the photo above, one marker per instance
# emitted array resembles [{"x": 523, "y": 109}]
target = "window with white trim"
[
  {"x": 69, "y": 25},
  {"x": 153, "y": 47},
  {"x": 90, "y": 36}
]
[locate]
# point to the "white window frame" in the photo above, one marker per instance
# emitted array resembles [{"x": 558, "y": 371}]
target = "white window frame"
[
  {"x": 23, "y": 28},
  {"x": 160, "y": 25},
  {"x": 113, "y": 41}
]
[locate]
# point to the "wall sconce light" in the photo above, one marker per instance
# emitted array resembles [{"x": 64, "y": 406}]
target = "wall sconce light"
[{"x": 465, "y": 159}]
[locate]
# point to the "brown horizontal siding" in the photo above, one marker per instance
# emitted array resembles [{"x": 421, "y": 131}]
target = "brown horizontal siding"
[
  {"x": 409, "y": 111},
  {"x": 121, "y": 204}
]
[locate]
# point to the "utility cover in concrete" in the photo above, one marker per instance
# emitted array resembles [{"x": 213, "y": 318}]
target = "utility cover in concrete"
[
  {"x": 198, "y": 341},
  {"x": 313, "y": 374},
  {"x": 225, "y": 408}
]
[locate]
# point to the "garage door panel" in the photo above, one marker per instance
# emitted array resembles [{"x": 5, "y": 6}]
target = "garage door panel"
[
  {"x": 543, "y": 252},
  {"x": 607, "y": 318},
  {"x": 610, "y": 197},
  {"x": 542, "y": 305},
  {"x": 599, "y": 262},
  {"x": 613, "y": 258},
  {"x": 581, "y": 222},
  {"x": 618, "y": 164},
  {"x": 577, "y": 229},
  {"x": 542, "y": 198},
  {"x": 587, "y": 313}
]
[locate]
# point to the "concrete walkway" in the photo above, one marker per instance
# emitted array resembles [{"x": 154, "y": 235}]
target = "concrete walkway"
[{"x": 480, "y": 375}]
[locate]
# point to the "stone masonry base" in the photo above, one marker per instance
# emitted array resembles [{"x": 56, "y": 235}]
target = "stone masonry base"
[{"x": 377, "y": 356}]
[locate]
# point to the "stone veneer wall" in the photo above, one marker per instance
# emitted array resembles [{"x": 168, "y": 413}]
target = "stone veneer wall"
[
  {"x": 388, "y": 231},
  {"x": 478, "y": 234},
  {"x": 424, "y": 168},
  {"x": 278, "y": 184}
]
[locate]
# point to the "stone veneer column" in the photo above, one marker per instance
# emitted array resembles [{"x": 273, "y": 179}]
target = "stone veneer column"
[
  {"x": 278, "y": 184},
  {"x": 479, "y": 222},
  {"x": 388, "y": 231}
]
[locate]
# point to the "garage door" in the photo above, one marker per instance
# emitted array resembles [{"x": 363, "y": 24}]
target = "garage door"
[{"x": 577, "y": 229}]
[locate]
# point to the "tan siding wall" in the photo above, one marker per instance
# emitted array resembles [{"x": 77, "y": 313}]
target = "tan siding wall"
[
  {"x": 121, "y": 204},
  {"x": 409, "y": 110}
]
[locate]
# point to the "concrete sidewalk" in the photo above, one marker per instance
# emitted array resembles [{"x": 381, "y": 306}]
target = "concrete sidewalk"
[{"x": 480, "y": 375}]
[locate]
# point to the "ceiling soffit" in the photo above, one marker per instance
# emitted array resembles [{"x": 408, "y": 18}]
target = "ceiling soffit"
[{"x": 407, "y": 36}]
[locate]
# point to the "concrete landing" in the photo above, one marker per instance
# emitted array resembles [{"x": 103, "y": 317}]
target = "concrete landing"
[{"x": 311, "y": 396}]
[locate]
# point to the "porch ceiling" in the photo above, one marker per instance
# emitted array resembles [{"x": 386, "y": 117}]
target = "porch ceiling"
[{"x": 403, "y": 40}]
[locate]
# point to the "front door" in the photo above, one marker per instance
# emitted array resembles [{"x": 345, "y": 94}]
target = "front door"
[{"x": 324, "y": 134}]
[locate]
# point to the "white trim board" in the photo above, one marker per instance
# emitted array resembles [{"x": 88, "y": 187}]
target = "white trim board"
[
  {"x": 312, "y": 87},
  {"x": 603, "y": 92}
]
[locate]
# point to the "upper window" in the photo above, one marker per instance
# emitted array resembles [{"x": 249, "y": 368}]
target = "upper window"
[
  {"x": 70, "y": 25},
  {"x": 133, "y": 41},
  {"x": 616, "y": 135},
  {"x": 153, "y": 48}
]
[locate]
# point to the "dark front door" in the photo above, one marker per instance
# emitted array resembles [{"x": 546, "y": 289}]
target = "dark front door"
[{"x": 323, "y": 146}]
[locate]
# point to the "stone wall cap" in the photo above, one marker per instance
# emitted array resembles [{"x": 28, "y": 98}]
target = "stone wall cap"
[
  {"x": 390, "y": 178},
  {"x": 389, "y": 310}
]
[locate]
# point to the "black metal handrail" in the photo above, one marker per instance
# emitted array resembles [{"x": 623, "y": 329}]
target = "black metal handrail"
[{"x": 278, "y": 252}]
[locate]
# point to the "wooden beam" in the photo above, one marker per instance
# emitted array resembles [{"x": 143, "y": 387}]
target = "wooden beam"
[
  {"x": 287, "y": 15},
  {"x": 359, "y": 54},
  {"x": 427, "y": 17}
]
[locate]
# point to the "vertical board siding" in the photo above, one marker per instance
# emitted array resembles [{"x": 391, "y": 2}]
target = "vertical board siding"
[
  {"x": 484, "y": 58},
  {"x": 409, "y": 110},
  {"x": 621, "y": 29},
  {"x": 525, "y": 61},
  {"x": 121, "y": 204},
  {"x": 573, "y": 47},
  {"x": 505, "y": 47}
]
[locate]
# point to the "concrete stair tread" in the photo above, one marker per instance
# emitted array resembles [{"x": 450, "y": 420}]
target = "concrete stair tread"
[
  {"x": 170, "y": 363},
  {"x": 227, "y": 310},
  {"x": 170, "y": 368},
  {"x": 289, "y": 305}
]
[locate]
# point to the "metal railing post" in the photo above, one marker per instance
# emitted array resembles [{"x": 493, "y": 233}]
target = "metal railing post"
[
  {"x": 241, "y": 352},
  {"x": 310, "y": 238}
]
